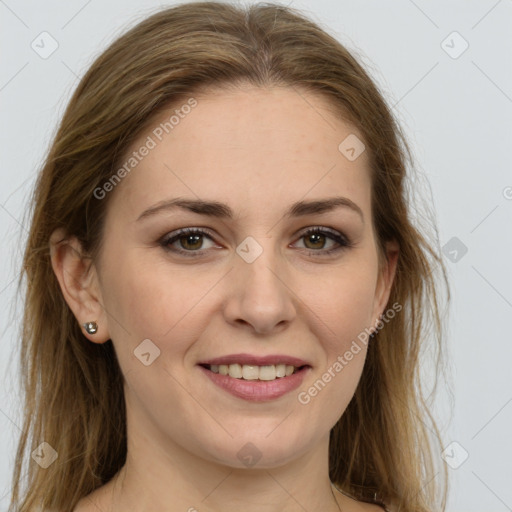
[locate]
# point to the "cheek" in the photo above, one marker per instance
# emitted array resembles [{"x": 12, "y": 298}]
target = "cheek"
[
  {"x": 344, "y": 332},
  {"x": 344, "y": 313},
  {"x": 147, "y": 299},
  {"x": 151, "y": 302},
  {"x": 344, "y": 303}
]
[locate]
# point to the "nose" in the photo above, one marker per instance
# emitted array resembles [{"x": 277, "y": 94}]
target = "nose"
[{"x": 259, "y": 296}]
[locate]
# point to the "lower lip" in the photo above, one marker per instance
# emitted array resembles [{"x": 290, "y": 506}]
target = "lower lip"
[{"x": 257, "y": 390}]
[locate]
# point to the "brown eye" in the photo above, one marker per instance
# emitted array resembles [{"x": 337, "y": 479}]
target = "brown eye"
[
  {"x": 316, "y": 240},
  {"x": 187, "y": 241},
  {"x": 191, "y": 242}
]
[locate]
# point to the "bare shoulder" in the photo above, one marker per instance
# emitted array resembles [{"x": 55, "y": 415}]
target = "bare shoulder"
[
  {"x": 370, "y": 507},
  {"x": 86, "y": 505},
  {"x": 96, "y": 500},
  {"x": 351, "y": 504},
  {"x": 83, "y": 506}
]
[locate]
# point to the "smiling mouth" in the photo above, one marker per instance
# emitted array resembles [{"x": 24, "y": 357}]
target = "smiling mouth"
[{"x": 254, "y": 372}]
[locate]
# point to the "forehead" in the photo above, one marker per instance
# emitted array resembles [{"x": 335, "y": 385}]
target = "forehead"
[{"x": 254, "y": 148}]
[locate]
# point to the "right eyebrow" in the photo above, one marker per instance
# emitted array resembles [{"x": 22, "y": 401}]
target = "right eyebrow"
[{"x": 222, "y": 210}]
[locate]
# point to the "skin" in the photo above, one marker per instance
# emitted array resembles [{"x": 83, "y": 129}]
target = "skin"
[{"x": 257, "y": 150}]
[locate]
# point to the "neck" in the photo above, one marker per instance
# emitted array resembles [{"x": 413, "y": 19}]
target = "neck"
[{"x": 173, "y": 480}]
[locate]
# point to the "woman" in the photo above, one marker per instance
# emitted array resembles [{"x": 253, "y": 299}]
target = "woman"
[{"x": 226, "y": 298}]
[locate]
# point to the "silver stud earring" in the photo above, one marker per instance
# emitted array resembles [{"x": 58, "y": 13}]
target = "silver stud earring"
[{"x": 91, "y": 327}]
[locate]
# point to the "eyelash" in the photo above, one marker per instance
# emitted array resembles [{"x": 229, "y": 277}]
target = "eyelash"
[{"x": 344, "y": 242}]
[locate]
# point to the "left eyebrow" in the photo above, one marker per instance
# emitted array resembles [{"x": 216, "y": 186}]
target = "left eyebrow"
[{"x": 222, "y": 210}]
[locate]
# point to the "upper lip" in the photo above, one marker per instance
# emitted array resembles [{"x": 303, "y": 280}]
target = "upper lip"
[{"x": 254, "y": 360}]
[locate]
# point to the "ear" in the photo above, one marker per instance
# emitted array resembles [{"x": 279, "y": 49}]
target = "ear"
[
  {"x": 79, "y": 283},
  {"x": 385, "y": 280}
]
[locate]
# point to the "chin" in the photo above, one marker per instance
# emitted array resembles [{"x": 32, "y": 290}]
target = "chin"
[{"x": 256, "y": 450}]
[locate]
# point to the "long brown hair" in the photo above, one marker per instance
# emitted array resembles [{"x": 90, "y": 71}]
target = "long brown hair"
[{"x": 74, "y": 389}]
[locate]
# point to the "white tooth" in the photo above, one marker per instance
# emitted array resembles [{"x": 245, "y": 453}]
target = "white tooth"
[
  {"x": 267, "y": 372},
  {"x": 253, "y": 372},
  {"x": 235, "y": 370},
  {"x": 250, "y": 372},
  {"x": 280, "y": 370}
]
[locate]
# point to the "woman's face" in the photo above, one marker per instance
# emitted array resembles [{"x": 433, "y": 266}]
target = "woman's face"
[{"x": 252, "y": 293}]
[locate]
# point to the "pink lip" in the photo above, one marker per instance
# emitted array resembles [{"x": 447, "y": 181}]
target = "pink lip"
[
  {"x": 256, "y": 360},
  {"x": 257, "y": 390}
]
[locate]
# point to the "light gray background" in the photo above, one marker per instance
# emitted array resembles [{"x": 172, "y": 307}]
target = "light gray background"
[{"x": 457, "y": 115}]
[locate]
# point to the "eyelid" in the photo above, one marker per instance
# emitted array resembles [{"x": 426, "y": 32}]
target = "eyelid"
[
  {"x": 337, "y": 236},
  {"x": 177, "y": 234},
  {"x": 324, "y": 229},
  {"x": 343, "y": 241}
]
